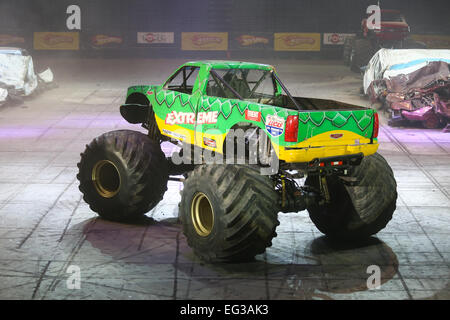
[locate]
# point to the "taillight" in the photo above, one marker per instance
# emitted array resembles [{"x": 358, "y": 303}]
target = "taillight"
[
  {"x": 291, "y": 132},
  {"x": 376, "y": 125}
]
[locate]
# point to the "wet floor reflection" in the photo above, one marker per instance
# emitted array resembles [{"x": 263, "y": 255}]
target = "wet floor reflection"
[{"x": 328, "y": 268}]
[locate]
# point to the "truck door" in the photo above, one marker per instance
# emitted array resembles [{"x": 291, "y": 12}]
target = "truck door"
[{"x": 176, "y": 111}]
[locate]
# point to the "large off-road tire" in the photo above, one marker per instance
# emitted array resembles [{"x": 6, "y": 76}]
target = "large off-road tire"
[
  {"x": 361, "y": 54},
  {"x": 360, "y": 208},
  {"x": 123, "y": 174},
  {"x": 228, "y": 212}
]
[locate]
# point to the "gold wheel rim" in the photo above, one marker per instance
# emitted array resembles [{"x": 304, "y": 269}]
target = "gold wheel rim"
[
  {"x": 202, "y": 214},
  {"x": 106, "y": 178}
]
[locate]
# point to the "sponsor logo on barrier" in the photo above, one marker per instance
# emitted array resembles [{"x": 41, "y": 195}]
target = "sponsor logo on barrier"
[
  {"x": 293, "y": 41},
  {"x": 297, "y": 41},
  {"x": 252, "y": 40},
  {"x": 247, "y": 40},
  {"x": 252, "y": 115},
  {"x": 189, "y": 118},
  {"x": 101, "y": 40},
  {"x": 336, "y": 38},
  {"x": 274, "y": 125},
  {"x": 201, "y": 40},
  {"x": 7, "y": 39},
  {"x": 56, "y": 41},
  {"x": 204, "y": 41},
  {"x": 155, "y": 37}
]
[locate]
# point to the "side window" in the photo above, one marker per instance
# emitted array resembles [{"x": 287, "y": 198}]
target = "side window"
[
  {"x": 251, "y": 84},
  {"x": 261, "y": 84},
  {"x": 234, "y": 77},
  {"x": 184, "y": 80},
  {"x": 215, "y": 88}
]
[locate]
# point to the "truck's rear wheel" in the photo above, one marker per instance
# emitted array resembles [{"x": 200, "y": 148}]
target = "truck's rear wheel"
[
  {"x": 361, "y": 54},
  {"x": 229, "y": 212},
  {"x": 122, "y": 174},
  {"x": 360, "y": 209}
]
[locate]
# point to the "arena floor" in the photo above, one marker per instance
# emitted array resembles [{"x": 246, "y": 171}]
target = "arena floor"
[{"x": 46, "y": 227}]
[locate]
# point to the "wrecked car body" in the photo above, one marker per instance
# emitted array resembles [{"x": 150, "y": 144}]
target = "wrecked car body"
[
  {"x": 413, "y": 85},
  {"x": 17, "y": 74}
]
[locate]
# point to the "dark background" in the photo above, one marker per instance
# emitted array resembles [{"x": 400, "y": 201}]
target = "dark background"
[{"x": 125, "y": 18}]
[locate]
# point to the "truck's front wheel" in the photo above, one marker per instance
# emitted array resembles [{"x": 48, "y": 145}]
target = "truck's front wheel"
[
  {"x": 123, "y": 174},
  {"x": 358, "y": 209},
  {"x": 228, "y": 212}
]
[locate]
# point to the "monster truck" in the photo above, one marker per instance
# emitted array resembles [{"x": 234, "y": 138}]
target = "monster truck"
[
  {"x": 393, "y": 33},
  {"x": 229, "y": 211}
]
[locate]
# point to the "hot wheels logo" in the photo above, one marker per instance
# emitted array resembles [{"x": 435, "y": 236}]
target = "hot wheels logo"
[
  {"x": 52, "y": 39},
  {"x": 6, "y": 39},
  {"x": 101, "y": 40},
  {"x": 293, "y": 41},
  {"x": 248, "y": 40},
  {"x": 201, "y": 40}
]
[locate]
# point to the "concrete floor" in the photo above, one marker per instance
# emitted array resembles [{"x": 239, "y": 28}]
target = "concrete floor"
[{"x": 45, "y": 227}]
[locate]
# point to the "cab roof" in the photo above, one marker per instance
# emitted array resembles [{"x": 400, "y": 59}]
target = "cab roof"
[{"x": 224, "y": 64}]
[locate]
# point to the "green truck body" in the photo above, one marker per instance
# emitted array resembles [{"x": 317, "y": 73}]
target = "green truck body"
[{"x": 191, "y": 114}]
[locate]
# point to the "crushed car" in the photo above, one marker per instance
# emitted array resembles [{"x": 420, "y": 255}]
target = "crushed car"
[
  {"x": 412, "y": 85},
  {"x": 17, "y": 75}
]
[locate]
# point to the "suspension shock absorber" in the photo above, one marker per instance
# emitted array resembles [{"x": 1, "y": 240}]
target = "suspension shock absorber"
[
  {"x": 324, "y": 187},
  {"x": 293, "y": 198}
]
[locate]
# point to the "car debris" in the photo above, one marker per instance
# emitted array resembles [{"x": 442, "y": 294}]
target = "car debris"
[
  {"x": 17, "y": 75},
  {"x": 3, "y": 96},
  {"x": 412, "y": 85}
]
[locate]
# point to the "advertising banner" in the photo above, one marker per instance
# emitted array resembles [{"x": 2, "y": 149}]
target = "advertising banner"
[
  {"x": 253, "y": 40},
  {"x": 99, "y": 41},
  {"x": 7, "y": 40},
  {"x": 204, "y": 41},
  {"x": 155, "y": 37},
  {"x": 336, "y": 38},
  {"x": 56, "y": 41},
  {"x": 433, "y": 41},
  {"x": 297, "y": 41}
]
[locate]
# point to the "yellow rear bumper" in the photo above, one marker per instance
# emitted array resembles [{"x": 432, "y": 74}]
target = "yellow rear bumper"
[
  {"x": 309, "y": 154},
  {"x": 322, "y": 146}
]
